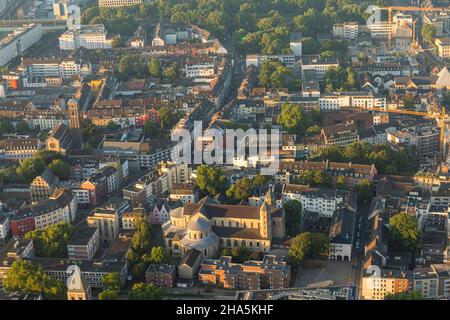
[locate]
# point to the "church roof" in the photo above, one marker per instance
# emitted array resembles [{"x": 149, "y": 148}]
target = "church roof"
[
  {"x": 76, "y": 282},
  {"x": 443, "y": 77}
]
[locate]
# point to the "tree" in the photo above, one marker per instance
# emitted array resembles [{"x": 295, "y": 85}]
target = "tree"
[
  {"x": 241, "y": 190},
  {"x": 428, "y": 32},
  {"x": 108, "y": 294},
  {"x": 142, "y": 291},
  {"x": 341, "y": 183},
  {"x": 364, "y": 191},
  {"x": 140, "y": 242},
  {"x": 22, "y": 127},
  {"x": 173, "y": 72},
  {"x": 291, "y": 117},
  {"x": 151, "y": 130},
  {"x": 158, "y": 255},
  {"x": 6, "y": 126},
  {"x": 130, "y": 66},
  {"x": 112, "y": 126},
  {"x": 260, "y": 180},
  {"x": 60, "y": 168},
  {"x": 309, "y": 245},
  {"x": 23, "y": 276},
  {"x": 238, "y": 254},
  {"x": 293, "y": 214},
  {"x": 51, "y": 242},
  {"x": 154, "y": 68},
  {"x": 414, "y": 295},
  {"x": 211, "y": 180},
  {"x": 405, "y": 232},
  {"x": 29, "y": 169},
  {"x": 166, "y": 118},
  {"x": 111, "y": 286}
]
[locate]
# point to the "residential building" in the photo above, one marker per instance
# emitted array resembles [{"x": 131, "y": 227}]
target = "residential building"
[
  {"x": 129, "y": 218},
  {"x": 161, "y": 275},
  {"x": 184, "y": 192},
  {"x": 51, "y": 67},
  {"x": 91, "y": 37},
  {"x": 19, "y": 148},
  {"x": 341, "y": 134},
  {"x": 107, "y": 223},
  {"x": 16, "y": 43},
  {"x": 269, "y": 273},
  {"x": 60, "y": 206},
  {"x": 325, "y": 201},
  {"x": 314, "y": 67},
  {"x": 341, "y": 234},
  {"x": 378, "y": 283},
  {"x": 43, "y": 185},
  {"x": 83, "y": 244},
  {"x": 362, "y": 100},
  {"x": 346, "y": 30},
  {"x": 190, "y": 264},
  {"x": 443, "y": 47}
]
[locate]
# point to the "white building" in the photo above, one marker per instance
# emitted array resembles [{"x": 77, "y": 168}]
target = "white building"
[
  {"x": 16, "y": 43},
  {"x": 296, "y": 43},
  {"x": 443, "y": 47},
  {"x": 200, "y": 70},
  {"x": 322, "y": 200},
  {"x": 346, "y": 30},
  {"x": 257, "y": 59},
  {"x": 314, "y": 65},
  {"x": 117, "y": 3},
  {"x": 91, "y": 37},
  {"x": 51, "y": 68},
  {"x": 355, "y": 99}
]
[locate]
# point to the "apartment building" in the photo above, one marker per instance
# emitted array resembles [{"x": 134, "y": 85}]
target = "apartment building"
[
  {"x": 424, "y": 138},
  {"x": 161, "y": 275},
  {"x": 16, "y": 43},
  {"x": 322, "y": 200},
  {"x": 19, "y": 148},
  {"x": 443, "y": 47},
  {"x": 91, "y": 37},
  {"x": 107, "y": 223},
  {"x": 377, "y": 284},
  {"x": 257, "y": 59},
  {"x": 83, "y": 244},
  {"x": 51, "y": 67},
  {"x": 340, "y": 100},
  {"x": 314, "y": 67},
  {"x": 341, "y": 134},
  {"x": 184, "y": 192},
  {"x": 346, "y": 30},
  {"x": 202, "y": 69},
  {"x": 61, "y": 206},
  {"x": 43, "y": 185},
  {"x": 269, "y": 273},
  {"x": 341, "y": 233}
]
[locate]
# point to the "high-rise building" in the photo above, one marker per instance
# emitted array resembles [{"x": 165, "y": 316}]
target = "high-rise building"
[{"x": 74, "y": 123}]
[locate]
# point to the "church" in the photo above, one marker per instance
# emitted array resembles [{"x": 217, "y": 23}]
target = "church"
[{"x": 208, "y": 226}]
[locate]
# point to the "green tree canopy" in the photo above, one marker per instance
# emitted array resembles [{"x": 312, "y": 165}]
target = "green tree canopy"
[
  {"x": 154, "y": 68},
  {"x": 405, "y": 232},
  {"x": 293, "y": 213},
  {"x": 142, "y": 291},
  {"x": 241, "y": 190},
  {"x": 29, "y": 169},
  {"x": 158, "y": 255},
  {"x": 211, "y": 180},
  {"x": 51, "y": 242},
  {"x": 23, "y": 276},
  {"x": 309, "y": 245},
  {"x": 414, "y": 295},
  {"x": 428, "y": 32},
  {"x": 60, "y": 168}
]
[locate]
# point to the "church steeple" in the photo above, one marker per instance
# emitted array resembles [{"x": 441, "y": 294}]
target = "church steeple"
[
  {"x": 265, "y": 229},
  {"x": 77, "y": 286}
]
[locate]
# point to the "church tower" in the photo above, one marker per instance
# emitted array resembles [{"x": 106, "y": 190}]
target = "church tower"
[
  {"x": 270, "y": 198},
  {"x": 77, "y": 286},
  {"x": 265, "y": 223},
  {"x": 75, "y": 124}
]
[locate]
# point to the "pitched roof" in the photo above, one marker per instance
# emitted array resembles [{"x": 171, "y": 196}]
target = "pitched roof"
[
  {"x": 190, "y": 257},
  {"x": 443, "y": 77}
]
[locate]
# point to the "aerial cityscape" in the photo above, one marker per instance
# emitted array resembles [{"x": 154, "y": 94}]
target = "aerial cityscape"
[{"x": 224, "y": 150}]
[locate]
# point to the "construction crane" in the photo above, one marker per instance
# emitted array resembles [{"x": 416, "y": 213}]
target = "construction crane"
[
  {"x": 440, "y": 118},
  {"x": 395, "y": 8}
]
